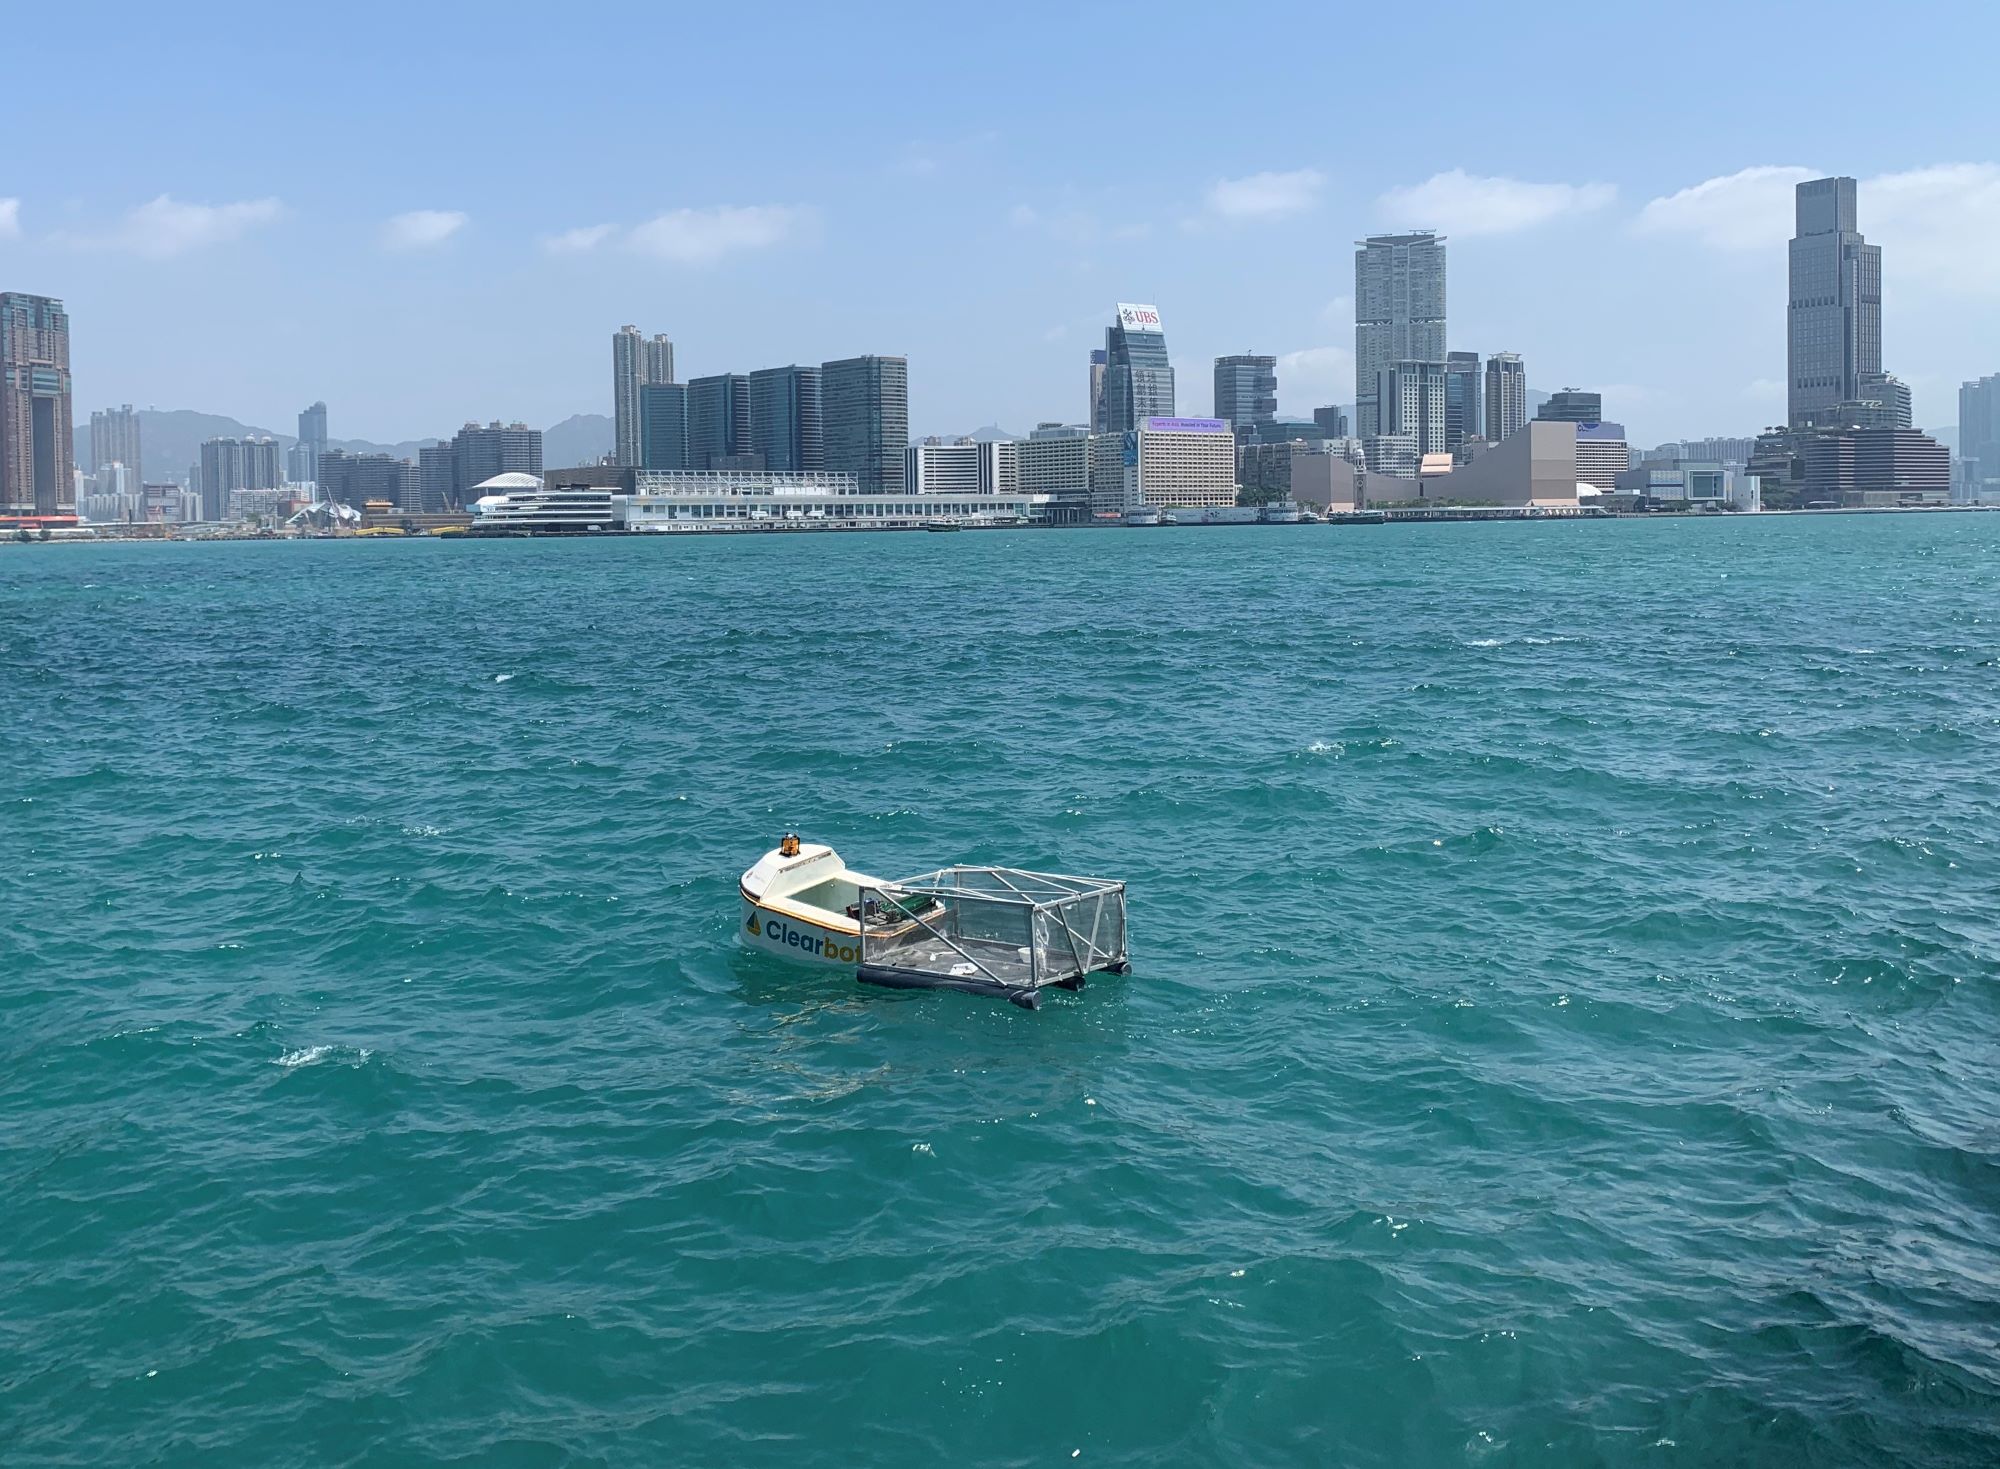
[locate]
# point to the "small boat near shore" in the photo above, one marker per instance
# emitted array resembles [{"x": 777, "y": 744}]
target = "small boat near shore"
[{"x": 998, "y": 931}]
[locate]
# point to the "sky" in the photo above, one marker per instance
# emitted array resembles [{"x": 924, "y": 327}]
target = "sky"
[{"x": 425, "y": 212}]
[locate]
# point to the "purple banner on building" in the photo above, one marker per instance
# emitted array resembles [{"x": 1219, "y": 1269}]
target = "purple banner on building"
[{"x": 1189, "y": 425}]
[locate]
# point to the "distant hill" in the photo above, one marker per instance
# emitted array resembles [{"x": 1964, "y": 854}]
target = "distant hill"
[
  {"x": 171, "y": 440},
  {"x": 580, "y": 439}
]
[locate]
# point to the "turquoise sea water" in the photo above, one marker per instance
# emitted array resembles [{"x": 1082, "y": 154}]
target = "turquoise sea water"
[{"x": 1563, "y": 1030}]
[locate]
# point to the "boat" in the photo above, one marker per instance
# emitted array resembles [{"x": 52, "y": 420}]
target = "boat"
[
  {"x": 998, "y": 931},
  {"x": 1143, "y": 515},
  {"x": 941, "y": 525}
]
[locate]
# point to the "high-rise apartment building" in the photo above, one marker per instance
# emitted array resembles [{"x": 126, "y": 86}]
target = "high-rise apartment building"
[
  {"x": 355, "y": 479},
  {"x": 1979, "y": 437},
  {"x": 1834, "y": 322},
  {"x": 1506, "y": 395},
  {"x": 1462, "y": 418},
  {"x": 479, "y": 453},
  {"x": 114, "y": 439},
  {"x": 1412, "y": 403},
  {"x": 1138, "y": 376},
  {"x": 635, "y": 361},
  {"x": 302, "y": 462},
  {"x": 865, "y": 406},
  {"x": 663, "y": 426},
  {"x": 37, "y": 451},
  {"x": 785, "y": 422},
  {"x": 1099, "y": 360},
  {"x": 1572, "y": 405},
  {"x": 230, "y": 465},
  {"x": 1399, "y": 314},
  {"x": 718, "y": 421},
  {"x": 436, "y": 478},
  {"x": 1246, "y": 391}
]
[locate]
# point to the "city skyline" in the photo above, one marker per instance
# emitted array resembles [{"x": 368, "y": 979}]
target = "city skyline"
[{"x": 1647, "y": 271}]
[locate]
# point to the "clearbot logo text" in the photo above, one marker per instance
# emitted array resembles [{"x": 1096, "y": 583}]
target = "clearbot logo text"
[{"x": 780, "y": 932}]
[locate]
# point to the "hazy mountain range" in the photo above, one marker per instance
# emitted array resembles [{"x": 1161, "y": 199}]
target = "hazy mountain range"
[{"x": 170, "y": 440}]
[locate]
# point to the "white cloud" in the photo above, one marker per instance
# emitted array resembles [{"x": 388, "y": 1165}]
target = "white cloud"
[
  {"x": 422, "y": 229},
  {"x": 1750, "y": 209},
  {"x": 1338, "y": 312},
  {"x": 1460, "y": 203},
  {"x": 167, "y": 226},
  {"x": 704, "y": 236},
  {"x": 1266, "y": 195},
  {"x": 579, "y": 240},
  {"x": 10, "y": 219},
  {"x": 1936, "y": 227},
  {"x": 1314, "y": 377}
]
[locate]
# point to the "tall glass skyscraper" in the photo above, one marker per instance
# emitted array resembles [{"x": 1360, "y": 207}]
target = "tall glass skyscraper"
[
  {"x": 718, "y": 419},
  {"x": 1979, "y": 436},
  {"x": 865, "y": 403},
  {"x": 663, "y": 426},
  {"x": 1833, "y": 338},
  {"x": 1138, "y": 377},
  {"x": 1399, "y": 306},
  {"x": 1246, "y": 391},
  {"x": 1098, "y": 360},
  {"x": 1462, "y": 418},
  {"x": 37, "y": 452},
  {"x": 302, "y": 463},
  {"x": 785, "y": 422}
]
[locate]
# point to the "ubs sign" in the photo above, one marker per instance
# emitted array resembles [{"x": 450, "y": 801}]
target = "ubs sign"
[{"x": 1139, "y": 318}]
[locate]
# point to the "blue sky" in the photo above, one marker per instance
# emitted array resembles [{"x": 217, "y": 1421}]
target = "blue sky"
[{"x": 425, "y": 213}]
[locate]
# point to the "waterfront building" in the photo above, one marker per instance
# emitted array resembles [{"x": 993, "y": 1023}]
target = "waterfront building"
[
  {"x": 635, "y": 361},
  {"x": 302, "y": 461},
  {"x": 1979, "y": 437},
  {"x": 741, "y": 500},
  {"x": 718, "y": 419},
  {"x": 479, "y": 453},
  {"x": 355, "y": 479},
  {"x": 941, "y": 467},
  {"x": 1735, "y": 451},
  {"x": 37, "y": 450},
  {"x": 1399, "y": 315},
  {"x": 1412, "y": 398},
  {"x": 232, "y": 465},
  {"x": 1462, "y": 418},
  {"x": 1601, "y": 451},
  {"x": 1099, "y": 359},
  {"x": 1534, "y": 467},
  {"x": 1138, "y": 376},
  {"x": 1690, "y": 483},
  {"x": 1889, "y": 395},
  {"x": 865, "y": 410},
  {"x": 1572, "y": 405},
  {"x": 786, "y": 427},
  {"x": 1178, "y": 464},
  {"x": 663, "y": 426},
  {"x": 1054, "y": 461},
  {"x": 1506, "y": 396},
  {"x": 1833, "y": 338},
  {"x": 114, "y": 439},
  {"x": 1332, "y": 420},
  {"x": 1393, "y": 455},
  {"x": 1861, "y": 467},
  {"x": 1246, "y": 391}
]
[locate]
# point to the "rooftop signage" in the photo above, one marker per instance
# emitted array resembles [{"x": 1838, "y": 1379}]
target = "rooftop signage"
[
  {"x": 1139, "y": 318},
  {"x": 1188, "y": 425}
]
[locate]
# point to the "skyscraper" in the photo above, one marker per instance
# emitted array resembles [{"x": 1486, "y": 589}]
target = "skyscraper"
[
  {"x": 635, "y": 361},
  {"x": 37, "y": 453},
  {"x": 114, "y": 439},
  {"x": 718, "y": 419},
  {"x": 1506, "y": 395},
  {"x": 1332, "y": 420},
  {"x": 1138, "y": 376},
  {"x": 1834, "y": 324},
  {"x": 865, "y": 403},
  {"x": 1412, "y": 397},
  {"x": 663, "y": 426},
  {"x": 785, "y": 423},
  {"x": 480, "y": 453},
  {"x": 1572, "y": 405},
  {"x": 302, "y": 464},
  {"x": 1399, "y": 314},
  {"x": 229, "y": 465},
  {"x": 1462, "y": 418},
  {"x": 1979, "y": 436},
  {"x": 1098, "y": 360},
  {"x": 1246, "y": 390}
]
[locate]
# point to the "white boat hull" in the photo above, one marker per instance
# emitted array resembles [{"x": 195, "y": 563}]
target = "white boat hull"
[{"x": 789, "y": 935}]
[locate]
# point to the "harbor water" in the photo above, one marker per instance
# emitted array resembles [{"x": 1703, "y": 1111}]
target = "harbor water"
[{"x": 1563, "y": 1027}]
